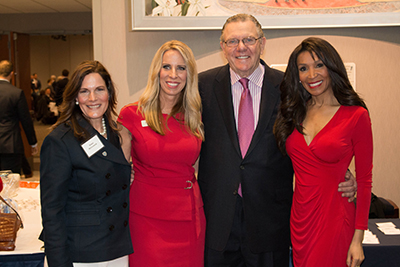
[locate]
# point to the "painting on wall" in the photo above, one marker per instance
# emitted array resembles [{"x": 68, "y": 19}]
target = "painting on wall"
[{"x": 272, "y": 14}]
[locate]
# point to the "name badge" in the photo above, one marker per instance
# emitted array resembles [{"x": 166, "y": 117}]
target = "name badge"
[
  {"x": 144, "y": 123},
  {"x": 92, "y": 145}
]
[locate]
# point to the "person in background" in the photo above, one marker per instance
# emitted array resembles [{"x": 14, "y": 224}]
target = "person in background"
[
  {"x": 35, "y": 91},
  {"x": 52, "y": 83},
  {"x": 44, "y": 114},
  {"x": 59, "y": 86},
  {"x": 322, "y": 124},
  {"x": 52, "y": 103},
  {"x": 36, "y": 85},
  {"x": 13, "y": 111},
  {"x": 245, "y": 181},
  {"x": 84, "y": 177},
  {"x": 50, "y": 86},
  {"x": 52, "y": 78},
  {"x": 166, "y": 218},
  {"x": 26, "y": 167}
]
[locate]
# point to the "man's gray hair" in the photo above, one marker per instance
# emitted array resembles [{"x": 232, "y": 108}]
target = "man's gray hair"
[{"x": 242, "y": 18}]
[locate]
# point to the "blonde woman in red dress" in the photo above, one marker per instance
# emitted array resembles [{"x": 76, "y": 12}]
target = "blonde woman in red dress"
[{"x": 163, "y": 133}]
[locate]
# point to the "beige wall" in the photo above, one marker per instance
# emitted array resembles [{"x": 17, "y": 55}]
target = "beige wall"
[
  {"x": 50, "y": 56},
  {"x": 47, "y": 23},
  {"x": 375, "y": 51}
]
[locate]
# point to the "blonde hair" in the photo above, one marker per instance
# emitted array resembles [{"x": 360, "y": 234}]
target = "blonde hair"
[{"x": 189, "y": 102}]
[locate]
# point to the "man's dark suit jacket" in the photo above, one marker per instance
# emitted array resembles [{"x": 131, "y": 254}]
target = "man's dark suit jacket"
[
  {"x": 13, "y": 110},
  {"x": 266, "y": 176},
  {"x": 59, "y": 88},
  {"x": 37, "y": 86}
]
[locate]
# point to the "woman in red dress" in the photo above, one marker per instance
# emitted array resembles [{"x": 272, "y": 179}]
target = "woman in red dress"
[
  {"x": 322, "y": 124},
  {"x": 164, "y": 132}
]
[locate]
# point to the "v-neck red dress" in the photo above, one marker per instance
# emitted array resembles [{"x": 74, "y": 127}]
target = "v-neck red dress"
[
  {"x": 167, "y": 220},
  {"x": 322, "y": 221}
]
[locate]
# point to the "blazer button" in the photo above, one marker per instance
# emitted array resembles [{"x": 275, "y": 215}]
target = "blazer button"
[
  {"x": 111, "y": 227},
  {"x": 235, "y": 192},
  {"x": 109, "y": 210},
  {"x": 241, "y": 167},
  {"x": 125, "y": 223},
  {"x": 124, "y": 187},
  {"x": 108, "y": 176},
  {"x": 125, "y": 205},
  {"x": 108, "y": 193}
]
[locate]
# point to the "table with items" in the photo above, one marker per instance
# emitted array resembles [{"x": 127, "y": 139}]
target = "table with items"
[
  {"x": 28, "y": 248},
  {"x": 382, "y": 243}
]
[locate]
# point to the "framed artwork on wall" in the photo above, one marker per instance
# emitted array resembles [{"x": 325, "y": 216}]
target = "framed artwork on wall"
[{"x": 272, "y": 14}]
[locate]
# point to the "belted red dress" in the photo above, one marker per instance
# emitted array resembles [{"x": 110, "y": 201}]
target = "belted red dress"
[{"x": 167, "y": 221}]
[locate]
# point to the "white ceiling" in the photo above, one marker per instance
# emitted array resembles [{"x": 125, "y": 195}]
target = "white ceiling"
[{"x": 44, "y": 6}]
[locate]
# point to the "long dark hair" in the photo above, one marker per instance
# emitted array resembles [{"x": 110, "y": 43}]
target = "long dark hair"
[
  {"x": 294, "y": 96},
  {"x": 69, "y": 109}
]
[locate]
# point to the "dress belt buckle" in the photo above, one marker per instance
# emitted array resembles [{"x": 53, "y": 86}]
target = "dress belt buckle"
[{"x": 190, "y": 186}]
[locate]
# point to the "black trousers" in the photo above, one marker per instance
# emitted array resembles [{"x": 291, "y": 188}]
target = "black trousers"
[
  {"x": 237, "y": 252},
  {"x": 11, "y": 162},
  {"x": 26, "y": 168}
]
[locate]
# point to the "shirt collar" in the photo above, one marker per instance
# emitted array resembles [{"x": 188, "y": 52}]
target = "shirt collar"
[{"x": 255, "y": 77}]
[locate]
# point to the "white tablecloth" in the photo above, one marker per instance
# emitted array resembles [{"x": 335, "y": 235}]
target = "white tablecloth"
[{"x": 29, "y": 210}]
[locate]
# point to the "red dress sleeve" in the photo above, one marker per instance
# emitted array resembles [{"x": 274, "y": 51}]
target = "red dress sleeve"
[{"x": 363, "y": 150}]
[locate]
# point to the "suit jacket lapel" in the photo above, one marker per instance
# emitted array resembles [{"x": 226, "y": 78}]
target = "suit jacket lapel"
[
  {"x": 223, "y": 93},
  {"x": 269, "y": 99},
  {"x": 111, "y": 150}
]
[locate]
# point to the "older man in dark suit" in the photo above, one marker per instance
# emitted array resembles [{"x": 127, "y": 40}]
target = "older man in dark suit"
[
  {"x": 13, "y": 110},
  {"x": 246, "y": 183}
]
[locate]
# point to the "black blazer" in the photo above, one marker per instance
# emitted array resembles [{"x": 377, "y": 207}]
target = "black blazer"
[
  {"x": 266, "y": 176},
  {"x": 85, "y": 201},
  {"x": 13, "y": 110}
]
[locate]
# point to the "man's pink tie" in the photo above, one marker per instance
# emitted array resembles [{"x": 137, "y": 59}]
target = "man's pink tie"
[{"x": 245, "y": 120}]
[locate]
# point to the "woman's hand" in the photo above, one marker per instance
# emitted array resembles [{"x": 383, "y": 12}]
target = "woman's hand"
[
  {"x": 355, "y": 255},
  {"x": 132, "y": 175}
]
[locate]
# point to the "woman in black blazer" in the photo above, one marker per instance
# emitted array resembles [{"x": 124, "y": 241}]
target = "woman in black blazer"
[{"x": 84, "y": 177}]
